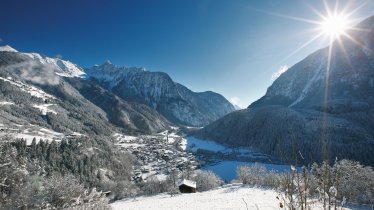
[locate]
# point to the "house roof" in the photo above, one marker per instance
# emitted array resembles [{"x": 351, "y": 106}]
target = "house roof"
[{"x": 188, "y": 183}]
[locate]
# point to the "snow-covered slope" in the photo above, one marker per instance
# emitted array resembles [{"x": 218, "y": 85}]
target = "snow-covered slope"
[
  {"x": 30, "y": 89},
  {"x": 62, "y": 67},
  {"x": 235, "y": 196},
  {"x": 7, "y": 48},
  {"x": 157, "y": 90},
  {"x": 32, "y": 85}
]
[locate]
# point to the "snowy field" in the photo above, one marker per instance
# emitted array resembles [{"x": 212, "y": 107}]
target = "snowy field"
[
  {"x": 227, "y": 197},
  {"x": 193, "y": 144}
]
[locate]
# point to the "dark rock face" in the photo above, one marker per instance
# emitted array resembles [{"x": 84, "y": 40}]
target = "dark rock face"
[
  {"x": 311, "y": 107},
  {"x": 128, "y": 115},
  {"x": 157, "y": 90}
]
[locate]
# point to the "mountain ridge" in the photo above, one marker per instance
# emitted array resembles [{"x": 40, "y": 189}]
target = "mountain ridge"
[
  {"x": 157, "y": 90},
  {"x": 51, "y": 74},
  {"x": 311, "y": 109}
]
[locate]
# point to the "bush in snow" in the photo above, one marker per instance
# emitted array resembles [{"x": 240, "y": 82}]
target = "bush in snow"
[
  {"x": 257, "y": 175},
  {"x": 154, "y": 186},
  {"x": 55, "y": 192},
  {"x": 345, "y": 180},
  {"x": 206, "y": 180}
]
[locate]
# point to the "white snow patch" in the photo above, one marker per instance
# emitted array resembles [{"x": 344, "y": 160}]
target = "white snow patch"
[
  {"x": 316, "y": 76},
  {"x": 29, "y": 89},
  {"x": 174, "y": 127},
  {"x": 188, "y": 183},
  {"x": 279, "y": 72},
  {"x": 29, "y": 132},
  {"x": 183, "y": 144},
  {"x": 124, "y": 138},
  {"x": 4, "y": 103},
  {"x": 194, "y": 144},
  {"x": 44, "y": 108},
  {"x": 7, "y": 48},
  {"x": 237, "y": 103},
  {"x": 161, "y": 177},
  {"x": 63, "y": 68}
]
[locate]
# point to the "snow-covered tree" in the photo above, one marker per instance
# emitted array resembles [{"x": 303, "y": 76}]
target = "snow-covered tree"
[{"x": 206, "y": 180}]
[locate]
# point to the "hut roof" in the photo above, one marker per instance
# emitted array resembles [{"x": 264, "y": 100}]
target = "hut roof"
[{"x": 188, "y": 183}]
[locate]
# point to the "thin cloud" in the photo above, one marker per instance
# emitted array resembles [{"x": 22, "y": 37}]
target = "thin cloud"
[
  {"x": 237, "y": 102},
  {"x": 43, "y": 74},
  {"x": 280, "y": 71}
]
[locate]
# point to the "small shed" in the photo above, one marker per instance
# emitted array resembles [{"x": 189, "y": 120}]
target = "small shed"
[{"x": 187, "y": 186}]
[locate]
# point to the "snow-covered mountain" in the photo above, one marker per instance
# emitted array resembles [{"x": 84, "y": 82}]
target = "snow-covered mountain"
[
  {"x": 157, "y": 90},
  {"x": 62, "y": 67},
  {"x": 49, "y": 93},
  {"x": 59, "y": 66},
  {"x": 130, "y": 98},
  {"x": 313, "y": 108},
  {"x": 7, "y": 48}
]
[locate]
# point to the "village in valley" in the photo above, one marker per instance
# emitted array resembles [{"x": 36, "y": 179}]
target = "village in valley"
[{"x": 158, "y": 155}]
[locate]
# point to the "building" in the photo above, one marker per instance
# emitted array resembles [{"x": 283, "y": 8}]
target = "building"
[{"x": 187, "y": 186}]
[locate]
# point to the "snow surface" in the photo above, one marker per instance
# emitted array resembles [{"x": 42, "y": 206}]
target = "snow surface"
[
  {"x": 63, "y": 68},
  {"x": 233, "y": 196},
  {"x": 111, "y": 73},
  {"x": 7, "y": 48},
  {"x": 188, "y": 183},
  {"x": 194, "y": 144},
  {"x": 30, "y": 131},
  {"x": 4, "y": 103},
  {"x": 44, "y": 108},
  {"x": 29, "y": 89},
  {"x": 307, "y": 87},
  {"x": 39, "y": 133}
]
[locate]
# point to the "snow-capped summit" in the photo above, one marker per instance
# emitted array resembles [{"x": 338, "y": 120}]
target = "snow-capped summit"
[
  {"x": 107, "y": 62},
  {"x": 7, "y": 48},
  {"x": 62, "y": 67},
  {"x": 110, "y": 73},
  {"x": 157, "y": 90}
]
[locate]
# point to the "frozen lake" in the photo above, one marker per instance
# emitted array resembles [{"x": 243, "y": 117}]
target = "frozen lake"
[{"x": 226, "y": 169}]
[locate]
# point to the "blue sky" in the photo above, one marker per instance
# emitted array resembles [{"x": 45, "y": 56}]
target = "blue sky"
[{"x": 232, "y": 47}]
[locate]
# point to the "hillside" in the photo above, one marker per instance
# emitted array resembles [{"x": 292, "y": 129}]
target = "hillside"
[{"x": 311, "y": 108}]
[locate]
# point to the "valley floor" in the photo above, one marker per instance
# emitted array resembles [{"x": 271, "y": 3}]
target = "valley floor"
[{"x": 233, "y": 196}]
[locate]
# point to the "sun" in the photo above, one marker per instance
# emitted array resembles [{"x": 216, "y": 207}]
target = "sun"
[{"x": 334, "y": 25}]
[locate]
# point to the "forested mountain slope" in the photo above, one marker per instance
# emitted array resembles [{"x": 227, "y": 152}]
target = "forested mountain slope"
[{"x": 311, "y": 108}]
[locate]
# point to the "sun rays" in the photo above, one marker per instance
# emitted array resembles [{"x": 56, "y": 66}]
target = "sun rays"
[{"x": 334, "y": 25}]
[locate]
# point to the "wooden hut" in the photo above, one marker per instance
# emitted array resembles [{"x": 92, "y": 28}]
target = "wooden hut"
[{"x": 187, "y": 186}]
